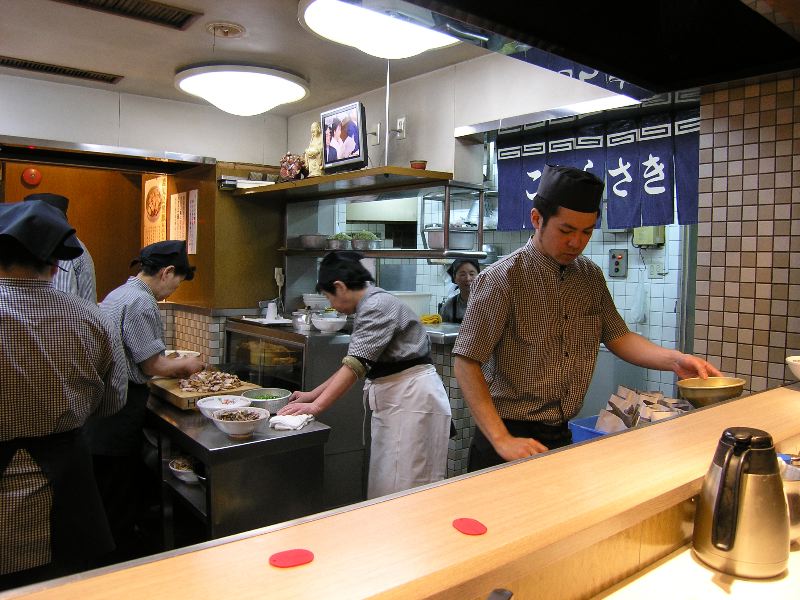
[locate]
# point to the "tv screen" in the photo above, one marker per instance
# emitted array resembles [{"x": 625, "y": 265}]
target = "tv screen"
[{"x": 344, "y": 138}]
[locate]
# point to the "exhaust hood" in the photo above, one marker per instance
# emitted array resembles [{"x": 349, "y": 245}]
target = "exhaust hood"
[{"x": 98, "y": 156}]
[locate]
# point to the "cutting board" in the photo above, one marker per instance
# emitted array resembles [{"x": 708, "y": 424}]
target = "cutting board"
[{"x": 170, "y": 390}]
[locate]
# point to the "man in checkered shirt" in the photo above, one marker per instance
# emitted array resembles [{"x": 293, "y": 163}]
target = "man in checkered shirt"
[
  {"x": 62, "y": 361},
  {"x": 527, "y": 347}
]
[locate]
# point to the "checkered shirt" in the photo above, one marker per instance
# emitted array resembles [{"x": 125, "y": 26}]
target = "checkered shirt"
[
  {"x": 61, "y": 362},
  {"x": 133, "y": 308},
  {"x": 536, "y": 328}
]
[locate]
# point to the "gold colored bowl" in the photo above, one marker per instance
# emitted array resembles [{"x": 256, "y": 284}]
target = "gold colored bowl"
[{"x": 702, "y": 392}]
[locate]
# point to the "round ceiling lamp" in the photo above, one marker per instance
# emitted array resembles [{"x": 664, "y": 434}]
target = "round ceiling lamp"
[
  {"x": 241, "y": 89},
  {"x": 375, "y": 33}
]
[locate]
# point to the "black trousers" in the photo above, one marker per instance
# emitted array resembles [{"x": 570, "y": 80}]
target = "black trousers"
[{"x": 483, "y": 455}]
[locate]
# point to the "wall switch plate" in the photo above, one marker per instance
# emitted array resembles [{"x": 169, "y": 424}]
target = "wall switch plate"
[
  {"x": 618, "y": 262},
  {"x": 655, "y": 270},
  {"x": 401, "y": 128},
  {"x": 374, "y": 133}
]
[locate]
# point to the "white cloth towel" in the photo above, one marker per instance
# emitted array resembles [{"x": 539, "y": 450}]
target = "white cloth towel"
[{"x": 289, "y": 422}]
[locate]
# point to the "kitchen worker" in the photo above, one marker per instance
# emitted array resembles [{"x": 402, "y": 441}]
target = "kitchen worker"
[
  {"x": 527, "y": 347},
  {"x": 390, "y": 349},
  {"x": 74, "y": 276},
  {"x": 116, "y": 441},
  {"x": 61, "y": 362},
  {"x": 462, "y": 272}
]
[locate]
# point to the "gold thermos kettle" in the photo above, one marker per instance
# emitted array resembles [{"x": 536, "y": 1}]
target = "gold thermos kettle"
[{"x": 741, "y": 526}]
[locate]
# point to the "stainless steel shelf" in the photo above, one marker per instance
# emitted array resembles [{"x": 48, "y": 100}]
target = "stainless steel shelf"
[{"x": 394, "y": 253}]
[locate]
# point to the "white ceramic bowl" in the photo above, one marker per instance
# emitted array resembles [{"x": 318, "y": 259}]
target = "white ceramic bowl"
[
  {"x": 279, "y": 399},
  {"x": 185, "y": 475},
  {"x": 329, "y": 325},
  {"x": 240, "y": 429},
  {"x": 794, "y": 365},
  {"x": 209, "y": 404}
]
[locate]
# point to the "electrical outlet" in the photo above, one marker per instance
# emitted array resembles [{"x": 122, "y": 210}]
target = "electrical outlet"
[
  {"x": 655, "y": 270},
  {"x": 375, "y": 134},
  {"x": 401, "y": 128}
]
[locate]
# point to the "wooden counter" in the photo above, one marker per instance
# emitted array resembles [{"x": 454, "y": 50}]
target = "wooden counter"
[{"x": 539, "y": 512}]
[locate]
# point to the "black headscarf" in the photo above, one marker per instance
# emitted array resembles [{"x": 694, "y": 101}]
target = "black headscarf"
[
  {"x": 169, "y": 253},
  {"x": 344, "y": 266},
  {"x": 571, "y": 188},
  {"x": 41, "y": 229}
]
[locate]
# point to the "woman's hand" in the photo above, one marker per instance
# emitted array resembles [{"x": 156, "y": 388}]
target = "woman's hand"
[{"x": 301, "y": 403}]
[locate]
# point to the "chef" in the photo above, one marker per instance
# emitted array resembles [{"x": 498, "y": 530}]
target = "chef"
[
  {"x": 390, "y": 348},
  {"x": 462, "y": 272},
  {"x": 527, "y": 347},
  {"x": 61, "y": 362},
  {"x": 117, "y": 441},
  {"x": 73, "y": 276}
]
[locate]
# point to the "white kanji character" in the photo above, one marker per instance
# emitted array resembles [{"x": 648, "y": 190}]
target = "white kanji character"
[
  {"x": 653, "y": 173},
  {"x": 623, "y": 169}
]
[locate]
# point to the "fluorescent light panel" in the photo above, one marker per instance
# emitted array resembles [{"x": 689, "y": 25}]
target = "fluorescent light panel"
[
  {"x": 242, "y": 90},
  {"x": 371, "y": 32}
]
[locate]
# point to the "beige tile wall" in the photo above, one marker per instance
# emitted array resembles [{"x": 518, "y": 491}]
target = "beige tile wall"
[
  {"x": 748, "y": 261},
  {"x": 185, "y": 330}
]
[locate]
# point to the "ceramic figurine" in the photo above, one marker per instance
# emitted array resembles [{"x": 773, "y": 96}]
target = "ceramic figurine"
[{"x": 313, "y": 154}]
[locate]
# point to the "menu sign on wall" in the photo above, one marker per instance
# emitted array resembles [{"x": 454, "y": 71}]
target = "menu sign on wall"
[
  {"x": 191, "y": 241},
  {"x": 154, "y": 210},
  {"x": 177, "y": 216}
]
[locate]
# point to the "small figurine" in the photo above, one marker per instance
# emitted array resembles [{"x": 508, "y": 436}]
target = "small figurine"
[
  {"x": 313, "y": 154},
  {"x": 292, "y": 167}
]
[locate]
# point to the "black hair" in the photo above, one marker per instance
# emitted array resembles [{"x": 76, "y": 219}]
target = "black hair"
[
  {"x": 150, "y": 269},
  {"x": 345, "y": 267},
  {"x": 456, "y": 265},
  {"x": 14, "y": 254},
  {"x": 546, "y": 208},
  {"x": 336, "y": 122}
]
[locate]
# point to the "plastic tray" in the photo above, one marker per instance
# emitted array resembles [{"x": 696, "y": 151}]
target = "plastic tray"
[{"x": 583, "y": 429}]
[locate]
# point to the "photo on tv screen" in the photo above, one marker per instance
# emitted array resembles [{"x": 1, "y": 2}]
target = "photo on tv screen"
[{"x": 344, "y": 138}]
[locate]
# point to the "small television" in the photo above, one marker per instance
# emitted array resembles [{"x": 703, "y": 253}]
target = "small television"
[{"x": 344, "y": 138}]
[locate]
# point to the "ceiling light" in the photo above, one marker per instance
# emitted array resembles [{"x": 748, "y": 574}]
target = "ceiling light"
[
  {"x": 240, "y": 89},
  {"x": 379, "y": 34}
]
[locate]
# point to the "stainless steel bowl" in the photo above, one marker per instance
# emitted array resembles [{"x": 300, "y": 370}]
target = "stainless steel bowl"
[
  {"x": 702, "y": 392},
  {"x": 313, "y": 241},
  {"x": 338, "y": 244}
]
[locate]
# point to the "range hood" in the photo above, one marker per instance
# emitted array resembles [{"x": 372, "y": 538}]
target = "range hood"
[
  {"x": 98, "y": 156},
  {"x": 660, "y": 45}
]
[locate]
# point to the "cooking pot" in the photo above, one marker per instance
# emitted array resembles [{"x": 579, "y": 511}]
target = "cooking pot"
[{"x": 741, "y": 525}]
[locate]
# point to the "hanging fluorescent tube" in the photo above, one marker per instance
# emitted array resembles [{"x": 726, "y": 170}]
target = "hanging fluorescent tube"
[{"x": 371, "y": 32}]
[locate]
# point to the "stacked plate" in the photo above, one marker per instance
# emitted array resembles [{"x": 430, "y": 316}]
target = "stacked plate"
[{"x": 316, "y": 301}]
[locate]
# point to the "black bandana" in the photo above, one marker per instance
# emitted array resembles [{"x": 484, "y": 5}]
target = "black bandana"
[
  {"x": 571, "y": 188},
  {"x": 41, "y": 229}
]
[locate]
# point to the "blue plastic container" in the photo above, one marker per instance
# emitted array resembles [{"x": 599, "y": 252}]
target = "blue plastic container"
[{"x": 583, "y": 429}]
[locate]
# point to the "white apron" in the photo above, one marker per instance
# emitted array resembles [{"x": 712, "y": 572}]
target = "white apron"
[{"x": 410, "y": 430}]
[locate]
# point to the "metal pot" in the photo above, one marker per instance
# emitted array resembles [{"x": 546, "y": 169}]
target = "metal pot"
[
  {"x": 313, "y": 241},
  {"x": 491, "y": 254},
  {"x": 459, "y": 239},
  {"x": 338, "y": 244},
  {"x": 301, "y": 320}
]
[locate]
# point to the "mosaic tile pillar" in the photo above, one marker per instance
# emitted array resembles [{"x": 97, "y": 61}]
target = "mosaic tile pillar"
[{"x": 458, "y": 451}]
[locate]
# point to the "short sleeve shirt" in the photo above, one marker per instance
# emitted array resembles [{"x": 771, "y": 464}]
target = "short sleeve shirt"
[
  {"x": 536, "y": 327},
  {"x": 386, "y": 329},
  {"x": 133, "y": 308}
]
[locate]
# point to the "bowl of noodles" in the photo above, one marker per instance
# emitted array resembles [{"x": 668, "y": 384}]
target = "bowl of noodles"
[{"x": 240, "y": 422}]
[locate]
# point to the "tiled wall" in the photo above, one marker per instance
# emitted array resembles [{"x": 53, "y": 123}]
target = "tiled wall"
[
  {"x": 458, "y": 450},
  {"x": 184, "y": 330},
  {"x": 748, "y": 274}
]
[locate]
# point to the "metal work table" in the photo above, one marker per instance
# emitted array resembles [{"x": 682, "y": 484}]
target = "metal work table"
[{"x": 272, "y": 477}]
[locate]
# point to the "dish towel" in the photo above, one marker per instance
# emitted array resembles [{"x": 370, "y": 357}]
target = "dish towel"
[{"x": 289, "y": 422}]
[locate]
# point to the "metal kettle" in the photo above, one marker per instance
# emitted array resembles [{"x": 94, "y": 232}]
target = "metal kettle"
[{"x": 741, "y": 526}]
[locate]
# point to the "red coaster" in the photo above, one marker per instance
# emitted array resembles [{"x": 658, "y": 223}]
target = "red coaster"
[
  {"x": 469, "y": 526},
  {"x": 291, "y": 558}
]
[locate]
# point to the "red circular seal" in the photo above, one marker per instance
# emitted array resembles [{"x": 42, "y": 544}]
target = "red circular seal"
[
  {"x": 291, "y": 558},
  {"x": 469, "y": 526}
]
